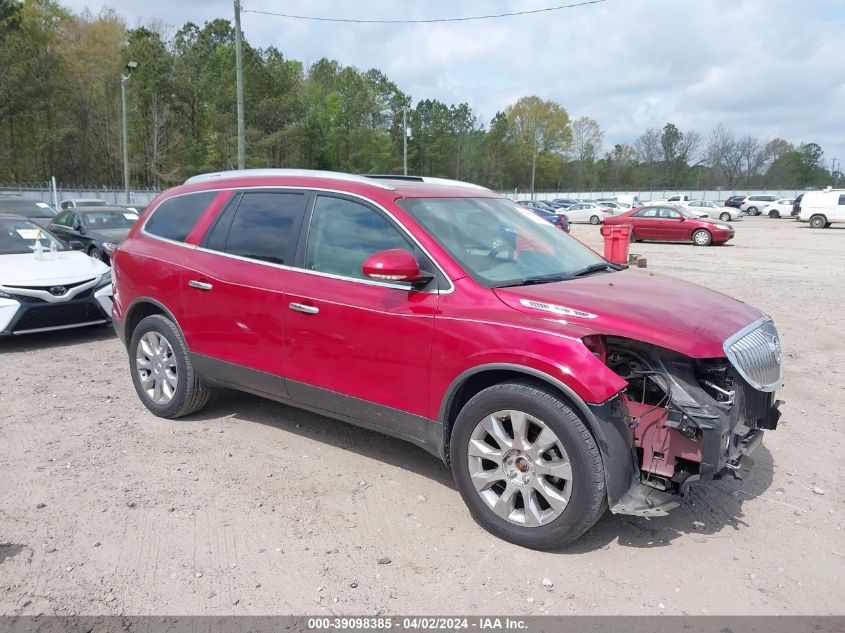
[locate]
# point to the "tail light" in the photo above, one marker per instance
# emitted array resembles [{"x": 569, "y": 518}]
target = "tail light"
[{"x": 595, "y": 343}]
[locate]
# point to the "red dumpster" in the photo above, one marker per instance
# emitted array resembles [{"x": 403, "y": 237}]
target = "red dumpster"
[{"x": 617, "y": 238}]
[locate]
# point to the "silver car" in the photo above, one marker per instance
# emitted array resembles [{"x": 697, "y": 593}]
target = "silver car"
[{"x": 715, "y": 210}]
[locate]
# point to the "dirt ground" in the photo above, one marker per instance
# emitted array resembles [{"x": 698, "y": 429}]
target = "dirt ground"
[{"x": 251, "y": 507}]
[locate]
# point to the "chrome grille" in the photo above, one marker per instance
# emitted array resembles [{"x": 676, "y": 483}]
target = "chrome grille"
[{"x": 755, "y": 353}]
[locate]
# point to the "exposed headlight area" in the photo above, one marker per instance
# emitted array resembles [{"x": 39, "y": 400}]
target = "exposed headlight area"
[{"x": 109, "y": 248}]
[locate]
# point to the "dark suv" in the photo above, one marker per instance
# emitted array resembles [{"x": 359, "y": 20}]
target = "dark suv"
[{"x": 554, "y": 384}]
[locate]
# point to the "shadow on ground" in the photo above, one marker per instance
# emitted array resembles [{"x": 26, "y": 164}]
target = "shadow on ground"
[
  {"x": 708, "y": 512},
  {"x": 58, "y": 338}
]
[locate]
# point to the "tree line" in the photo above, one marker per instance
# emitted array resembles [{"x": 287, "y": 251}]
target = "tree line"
[{"x": 60, "y": 76}]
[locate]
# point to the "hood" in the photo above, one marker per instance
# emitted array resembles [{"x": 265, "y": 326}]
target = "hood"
[
  {"x": 65, "y": 267},
  {"x": 639, "y": 305},
  {"x": 115, "y": 236}
]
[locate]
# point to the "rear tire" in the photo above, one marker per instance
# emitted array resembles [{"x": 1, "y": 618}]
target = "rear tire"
[
  {"x": 702, "y": 237},
  {"x": 158, "y": 354},
  {"x": 634, "y": 237},
  {"x": 752, "y": 211},
  {"x": 774, "y": 214},
  {"x": 496, "y": 494},
  {"x": 818, "y": 222},
  {"x": 595, "y": 220}
]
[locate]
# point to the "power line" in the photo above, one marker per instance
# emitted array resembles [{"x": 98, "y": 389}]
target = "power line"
[{"x": 427, "y": 21}]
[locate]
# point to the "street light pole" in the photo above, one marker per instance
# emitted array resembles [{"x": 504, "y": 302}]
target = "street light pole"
[
  {"x": 239, "y": 80},
  {"x": 130, "y": 66},
  {"x": 405, "y": 139}
]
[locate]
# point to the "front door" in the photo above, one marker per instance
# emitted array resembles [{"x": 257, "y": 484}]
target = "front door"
[{"x": 356, "y": 346}]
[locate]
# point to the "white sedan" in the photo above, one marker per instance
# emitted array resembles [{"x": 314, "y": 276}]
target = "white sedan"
[
  {"x": 714, "y": 210},
  {"x": 779, "y": 208},
  {"x": 585, "y": 212},
  {"x": 42, "y": 290}
]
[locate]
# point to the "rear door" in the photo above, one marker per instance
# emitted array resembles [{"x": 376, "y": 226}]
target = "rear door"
[
  {"x": 235, "y": 285},
  {"x": 354, "y": 345}
]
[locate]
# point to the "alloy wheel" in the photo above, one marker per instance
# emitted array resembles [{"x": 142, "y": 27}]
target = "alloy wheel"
[
  {"x": 156, "y": 367},
  {"x": 520, "y": 468}
]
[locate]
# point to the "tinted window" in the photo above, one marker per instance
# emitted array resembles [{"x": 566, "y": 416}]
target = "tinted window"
[
  {"x": 175, "y": 217},
  {"x": 61, "y": 218},
  {"x": 648, "y": 212},
  {"x": 343, "y": 234},
  {"x": 266, "y": 226},
  {"x": 841, "y": 199}
]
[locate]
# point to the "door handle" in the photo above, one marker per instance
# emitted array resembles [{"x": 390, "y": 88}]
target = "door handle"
[
  {"x": 300, "y": 307},
  {"x": 200, "y": 285}
]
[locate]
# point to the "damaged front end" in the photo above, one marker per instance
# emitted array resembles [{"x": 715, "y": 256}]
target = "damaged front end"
[{"x": 689, "y": 420}]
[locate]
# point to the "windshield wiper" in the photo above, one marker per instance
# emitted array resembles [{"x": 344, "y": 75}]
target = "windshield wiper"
[
  {"x": 539, "y": 279},
  {"x": 597, "y": 268}
]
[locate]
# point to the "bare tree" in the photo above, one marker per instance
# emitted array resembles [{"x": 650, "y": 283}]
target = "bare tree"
[
  {"x": 649, "y": 151},
  {"x": 724, "y": 154},
  {"x": 689, "y": 148},
  {"x": 753, "y": 156},
  {"x": 587, "y": 138}
]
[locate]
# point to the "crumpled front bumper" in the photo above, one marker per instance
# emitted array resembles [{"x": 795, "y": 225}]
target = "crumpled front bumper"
[{"x": 656, "y": 454}]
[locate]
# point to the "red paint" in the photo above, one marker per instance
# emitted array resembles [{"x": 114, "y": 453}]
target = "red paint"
[
  {"x": 393, "y": 264},
  {"x": 399, "y": 347}
]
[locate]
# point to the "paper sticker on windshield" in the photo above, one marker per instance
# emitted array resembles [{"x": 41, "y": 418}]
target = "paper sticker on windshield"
[
  {"x": 28, "y": 234},
  {"x": 43, "y": 205},
  {"x": 556, "y": 309},
  {"x": 130, "y": 216}
]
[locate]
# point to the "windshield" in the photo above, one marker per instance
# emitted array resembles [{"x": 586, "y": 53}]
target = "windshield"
[
  {"x": 27, "y": 208},
  {"x": 19, "y": 236},
  {"x": 499, "y": 244},
  {"x": 99, "y": 220}
]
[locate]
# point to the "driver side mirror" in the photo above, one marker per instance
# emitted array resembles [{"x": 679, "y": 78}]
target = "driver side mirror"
[
  {"x": 395, "y": 264},
  {"x": 76, "y": 245}
]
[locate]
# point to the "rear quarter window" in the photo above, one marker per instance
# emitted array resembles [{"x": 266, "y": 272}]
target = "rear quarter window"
[{"x": 174, "y": 218}]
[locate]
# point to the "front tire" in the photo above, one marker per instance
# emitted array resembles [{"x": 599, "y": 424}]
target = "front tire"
[
  {"x": 774, "y": 214},
  {"x": 162, "y": 373},
  {"x": 725, "y": 217},
  {"x": 526, "y": 465},
  {"x": 95, "y": 253},
  {"x": 818, "y": 222},
  {"x": 595, "y": 220},
  {"x": 702, "y": 237}
]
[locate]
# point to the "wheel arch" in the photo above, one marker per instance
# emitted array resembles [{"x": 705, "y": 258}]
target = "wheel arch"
[
  {"x": 476, "y": 379},
  {"x": 141, "y": 308},
  {"x": 614, "y": 439}
]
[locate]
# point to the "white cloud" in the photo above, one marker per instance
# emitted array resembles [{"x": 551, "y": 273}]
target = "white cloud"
[{"x": 763, "y": 67}]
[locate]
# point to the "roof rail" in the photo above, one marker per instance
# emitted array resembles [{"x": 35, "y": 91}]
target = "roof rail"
[
  {"x": 302, "y": 173},
  {"x": 427, "y": 179}
]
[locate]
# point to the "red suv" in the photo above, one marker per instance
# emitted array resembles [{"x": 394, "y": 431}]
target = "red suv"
[{"x": 553, "y": 383}]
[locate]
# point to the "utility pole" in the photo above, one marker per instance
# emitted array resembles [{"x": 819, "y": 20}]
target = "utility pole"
[
  {"x": 130, "y": 66},
  {"x": 239, "y": 78},
  {"x": 405, "y": 140},
  {"x": 533, "y": 164}
]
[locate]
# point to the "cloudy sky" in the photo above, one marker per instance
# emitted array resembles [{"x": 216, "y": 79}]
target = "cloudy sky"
[{"x": 763, "y": 67}]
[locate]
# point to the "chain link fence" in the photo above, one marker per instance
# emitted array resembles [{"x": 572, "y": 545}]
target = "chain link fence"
[{"x": 43, "y": 192}]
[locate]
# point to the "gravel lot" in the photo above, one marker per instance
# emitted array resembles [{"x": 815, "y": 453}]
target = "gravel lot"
[{"x": 251, "y": 507}]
